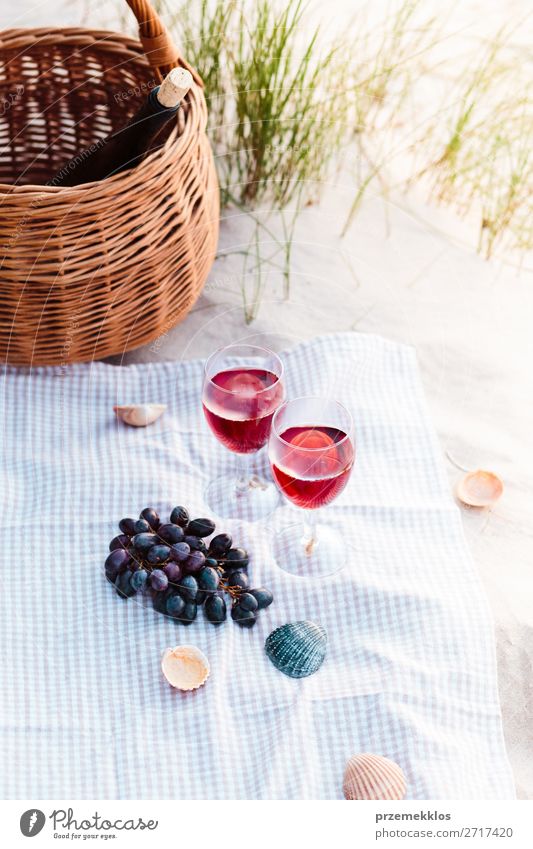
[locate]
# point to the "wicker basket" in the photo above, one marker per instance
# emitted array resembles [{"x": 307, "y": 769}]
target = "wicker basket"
[{"x": 98, "y": 269}]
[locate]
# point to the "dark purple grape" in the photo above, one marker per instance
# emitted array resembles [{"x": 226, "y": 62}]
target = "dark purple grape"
[
  {"x": 195, "y": 562},
  {"x": 158, "y": 581},
  {"x": 188, "y": 613},
  {"x": 196, "y": 544},
  {"x": 243, "y": 617},
  {"x": 179, "y": 552},
  {"x": 150, "y": 516},
  {"x": 200, "y": 527},
  {"x": 215, "y": 609},
  {"x": 220, "y": 545},
  {"x": 127, "y": 526},
  {"x": 170, "y": 533},
  {"x": 123, "y": 585},
  {"x": 236, "y": 611},
  {"x": 143, "y": 542},
  {"x": 175, "y": 605},
  {"x": 238, "y": 579},
  {"x": 159, "y": 601},
  {"x": 262, "y": 596},
  {"x": 237, "y": 558},
  {"x": 138, "y": 579},
  {"x": 248, "y": 602},
  {"x": 208, "y": 579},
  {"x": 119, "y": 557},
  {"x": 116, "y": 562},
  {"x": 188, "y": 588},
  {"x": 173, "y": 571},
  {"x": 179, "y": 516},
  {"x": 142, "y": 527},
  {"x": 157, "y": 554},
  {"x": 249, "y": 622},
  {"x": 122, "y": 541},
  {"x": 136, "y": 558}
]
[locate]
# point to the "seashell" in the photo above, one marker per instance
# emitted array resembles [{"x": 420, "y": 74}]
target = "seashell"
[
  {"x": 140, "y": 415},
  {"x": 185, "y": 667},
  {"x": 297, "y": 649},
  {"x": 368, "y": 776},
  {"x": 479, "y": 488}
]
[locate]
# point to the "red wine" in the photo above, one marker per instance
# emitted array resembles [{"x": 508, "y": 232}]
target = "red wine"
[
  {"x": 311, "y": 465},
  {"x": 126, "y": 147},
  {"x": 239, "y": 405}
]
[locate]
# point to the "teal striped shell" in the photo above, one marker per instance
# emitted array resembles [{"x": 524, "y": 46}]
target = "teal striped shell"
[{"x": 297, "y": 649}]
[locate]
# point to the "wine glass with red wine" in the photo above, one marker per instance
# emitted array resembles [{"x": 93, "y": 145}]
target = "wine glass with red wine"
[
  {"x": 243, "y": 388},
  {"x": 312, "y": 453}
]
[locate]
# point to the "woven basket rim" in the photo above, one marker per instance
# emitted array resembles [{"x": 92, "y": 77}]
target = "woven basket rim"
[
  {"x": 12, "y": 38},
  {"x": 110, "y": 39}
]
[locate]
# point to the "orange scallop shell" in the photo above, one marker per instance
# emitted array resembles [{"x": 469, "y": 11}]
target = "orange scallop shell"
[
  {"x": 479, "y": 488},
  {"x": 368, "y": 776}
]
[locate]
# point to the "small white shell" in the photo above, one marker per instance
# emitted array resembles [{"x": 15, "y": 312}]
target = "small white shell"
[
  {"x": 185, "y": 667},
  {"x": 479, "y": 488},
  {"x": 368, "y": 776},
  {"x": 140, "y": 415}
]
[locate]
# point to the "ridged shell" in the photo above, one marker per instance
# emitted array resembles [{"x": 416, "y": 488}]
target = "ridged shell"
[
  {"x": 140, "y": 415},
  {"x": 370, "y": 776},
  {"x": 297, "y": 649},
  {"x": 185, "y": 667}
]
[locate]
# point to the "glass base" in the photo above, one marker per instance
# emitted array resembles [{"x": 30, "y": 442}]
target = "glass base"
[
  {"x": 306, "y": 553},
  {"x": 250, "y": 498}
]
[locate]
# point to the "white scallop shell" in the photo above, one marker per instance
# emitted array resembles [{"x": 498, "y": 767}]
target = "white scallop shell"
[
  {"x": 140, "y": 415},
  {"x": 185, "y": 667},
  {"x": 368, "y": 776},
  {"x": 479, "y": 488}
]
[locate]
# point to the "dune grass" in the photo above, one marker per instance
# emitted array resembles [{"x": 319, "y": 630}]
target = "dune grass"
[
  {"x": 287, "y": 104},
  {"x": 274, "y": 122},
  {"x": 277, "y": 116},
  {"x": 481, "y": 161}
]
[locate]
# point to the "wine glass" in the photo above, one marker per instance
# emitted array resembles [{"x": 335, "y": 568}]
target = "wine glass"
[
  {"x": 243, "y": 388},
  {"x": 311, "y": 452}
]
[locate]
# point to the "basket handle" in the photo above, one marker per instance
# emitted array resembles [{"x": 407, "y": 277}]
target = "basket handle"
[{"x": 160, "y": 50}]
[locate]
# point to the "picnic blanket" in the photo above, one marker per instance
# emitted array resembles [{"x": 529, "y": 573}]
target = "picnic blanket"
[{"x": 410, "y": 668}]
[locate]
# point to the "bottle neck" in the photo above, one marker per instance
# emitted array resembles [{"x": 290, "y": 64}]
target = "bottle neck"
[{"x": 157, "y": 106}]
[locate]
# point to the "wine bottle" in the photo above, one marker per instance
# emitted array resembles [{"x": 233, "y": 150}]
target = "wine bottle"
[{"x": 126, "y": 147}]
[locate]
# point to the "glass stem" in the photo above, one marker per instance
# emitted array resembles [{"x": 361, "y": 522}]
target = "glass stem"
[
  {"x": 243, "y": 472},
  {"x": 310, "y": 539}
]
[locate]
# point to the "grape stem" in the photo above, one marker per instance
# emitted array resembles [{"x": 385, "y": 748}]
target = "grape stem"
[{"x": 232, "y": 590}]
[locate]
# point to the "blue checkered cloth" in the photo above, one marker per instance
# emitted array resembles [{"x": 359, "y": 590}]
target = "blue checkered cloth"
[{"x": 410, "y": 670}]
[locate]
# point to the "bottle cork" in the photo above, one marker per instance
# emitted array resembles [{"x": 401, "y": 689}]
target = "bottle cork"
[{"x": 174, "y": 87}]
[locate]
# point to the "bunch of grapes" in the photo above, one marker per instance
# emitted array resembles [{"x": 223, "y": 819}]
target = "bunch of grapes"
[{"x": 181, "y": 570}]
